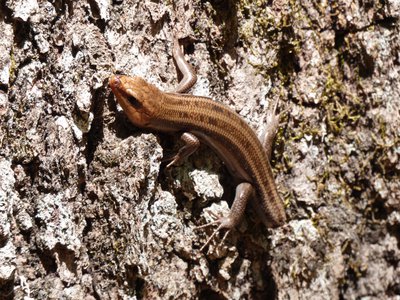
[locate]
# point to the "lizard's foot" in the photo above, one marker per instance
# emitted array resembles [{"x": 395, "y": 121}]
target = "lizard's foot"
[
  {"x": 272, "y": 116},
  {"x": 192, "y": 143},
  {"x": 267, "y": 132},
  {"x": 243, "y": 192},
  {"x": 224, "y": 223}
]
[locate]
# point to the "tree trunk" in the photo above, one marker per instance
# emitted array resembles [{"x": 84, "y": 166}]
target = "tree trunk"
[{"x": 89, "y": 211}]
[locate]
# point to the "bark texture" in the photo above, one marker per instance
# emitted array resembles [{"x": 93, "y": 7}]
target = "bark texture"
[{"x": 88, "y": 210}]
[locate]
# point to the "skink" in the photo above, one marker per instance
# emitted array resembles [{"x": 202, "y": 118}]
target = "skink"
[{"x": 199, "y": 118}]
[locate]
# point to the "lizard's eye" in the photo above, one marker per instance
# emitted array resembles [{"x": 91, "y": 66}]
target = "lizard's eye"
[{"x": 134, "y": 102}]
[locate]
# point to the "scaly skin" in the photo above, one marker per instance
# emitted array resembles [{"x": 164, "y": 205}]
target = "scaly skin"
[{"x": 213, "y": 123}]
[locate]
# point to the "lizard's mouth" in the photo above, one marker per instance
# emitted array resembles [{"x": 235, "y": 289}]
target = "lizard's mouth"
[{"x": 114, "y": 82}]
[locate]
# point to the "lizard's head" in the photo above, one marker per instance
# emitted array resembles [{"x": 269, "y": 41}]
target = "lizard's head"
[{"x": 139, "y": 99}]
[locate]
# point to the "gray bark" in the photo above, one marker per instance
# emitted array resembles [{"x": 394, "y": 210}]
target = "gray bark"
[{"x": 87, "y": 210}]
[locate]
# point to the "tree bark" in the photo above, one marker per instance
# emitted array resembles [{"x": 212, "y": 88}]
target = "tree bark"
[{"x": 89, "y": 211}]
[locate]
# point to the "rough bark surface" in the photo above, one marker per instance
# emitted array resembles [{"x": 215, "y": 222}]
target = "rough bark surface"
[{"x": 88, "y": 210}]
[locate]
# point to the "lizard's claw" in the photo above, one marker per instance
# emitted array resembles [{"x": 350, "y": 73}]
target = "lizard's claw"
[{"x": 224, "y": 223}]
